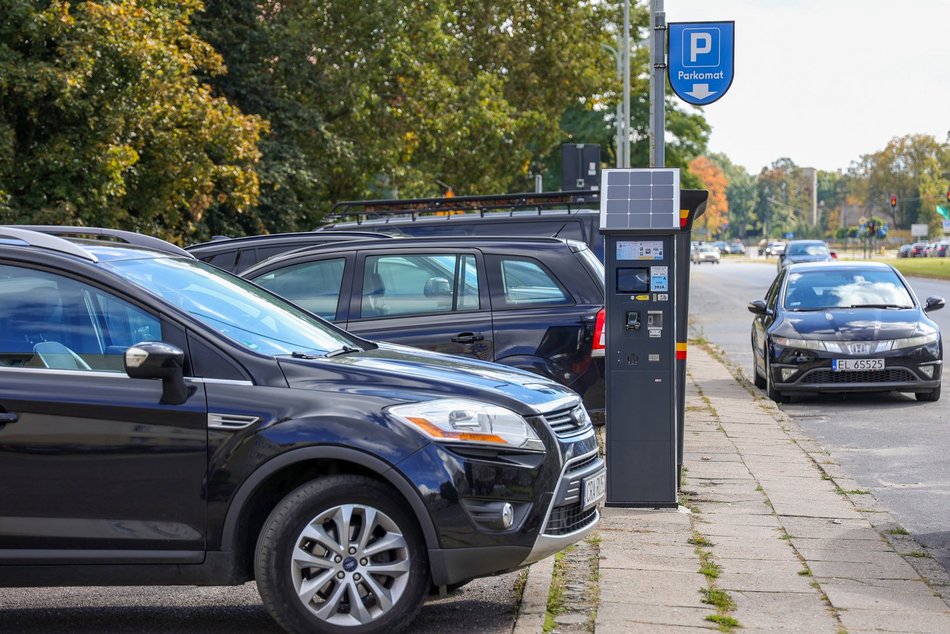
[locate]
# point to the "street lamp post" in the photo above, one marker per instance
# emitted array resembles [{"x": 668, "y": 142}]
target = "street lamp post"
[{"x": 618, "y": 58}]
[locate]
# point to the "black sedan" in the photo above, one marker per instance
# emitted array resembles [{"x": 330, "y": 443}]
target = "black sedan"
[{"x": 849, "y": 327}]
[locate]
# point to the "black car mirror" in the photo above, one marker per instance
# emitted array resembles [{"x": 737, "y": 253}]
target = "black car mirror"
[
  {"x": 758, "y": 307},
  {"x": 158, "y": 360},
  {"x": 934, "y": 303}
]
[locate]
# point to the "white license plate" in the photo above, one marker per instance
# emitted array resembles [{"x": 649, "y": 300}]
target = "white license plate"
[
  {"x": 856, "y": 365},
  {"x": 595, "y": 489}
]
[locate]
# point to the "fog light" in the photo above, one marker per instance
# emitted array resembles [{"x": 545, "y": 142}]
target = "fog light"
[
  {"x": 927, "y": 371},
  {"x": 507, "y": 515},
  {"x": 787, "y": 373}
]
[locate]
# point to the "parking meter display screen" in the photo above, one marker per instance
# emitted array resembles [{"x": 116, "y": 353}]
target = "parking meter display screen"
[{"x": 633, "y": 280}]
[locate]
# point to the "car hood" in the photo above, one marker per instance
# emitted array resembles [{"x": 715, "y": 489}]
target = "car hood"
[
  {"x": 404, "y": 374},
  {"x": 855, "y": 324}
]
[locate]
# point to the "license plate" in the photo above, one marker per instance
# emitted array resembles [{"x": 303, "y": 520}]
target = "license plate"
[
  {"x": 856, "y": 365},
  {"x": 595, "y": 489}
]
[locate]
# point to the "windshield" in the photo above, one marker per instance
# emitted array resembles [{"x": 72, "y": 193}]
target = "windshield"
[
  {"x": 233, "y": 307},
  {"x": 816, "y": 249},
  {"x": 846, "y": 288}
]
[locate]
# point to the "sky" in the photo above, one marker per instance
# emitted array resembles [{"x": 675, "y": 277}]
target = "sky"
[{"x": 824, "y": 81}]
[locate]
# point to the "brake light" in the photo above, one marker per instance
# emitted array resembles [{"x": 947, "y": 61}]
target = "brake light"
[{"x": 600, "y": 333}]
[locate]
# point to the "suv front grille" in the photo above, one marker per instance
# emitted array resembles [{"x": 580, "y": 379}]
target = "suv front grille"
[
  {"x": 892, "y": 375},
  {"x": 567, "y": 519},
  {"x": 568, "y": 421}
]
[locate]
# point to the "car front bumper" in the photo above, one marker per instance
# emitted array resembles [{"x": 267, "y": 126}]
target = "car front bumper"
[{"x": 913, "y": 370}]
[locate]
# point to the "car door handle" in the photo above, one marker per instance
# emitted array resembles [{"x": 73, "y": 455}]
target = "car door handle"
[
  {"x": 8, "y": 417},
  {"x": 467, "y": 337}
]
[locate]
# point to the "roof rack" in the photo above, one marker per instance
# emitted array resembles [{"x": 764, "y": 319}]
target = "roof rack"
[
  {"x": 375, "y": 209},
  {"x": 129, "y": 237},
  {"x": 45, "y": 241}
]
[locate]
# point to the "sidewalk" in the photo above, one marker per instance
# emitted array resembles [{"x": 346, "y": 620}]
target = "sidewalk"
[{"x": 773, "y": 537}]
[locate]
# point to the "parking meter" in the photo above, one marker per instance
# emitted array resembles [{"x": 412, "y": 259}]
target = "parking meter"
[{"x": 642, "y": 220}]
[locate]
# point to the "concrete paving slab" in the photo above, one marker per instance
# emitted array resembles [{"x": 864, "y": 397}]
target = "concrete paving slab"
[
  {"x": 893, "y": 567},
  {"x": 894, "y": 621},
  {"x": 784, "y": 612},
  {"x": 666, "y": 588},
  {"x": 882, "y": 595}
]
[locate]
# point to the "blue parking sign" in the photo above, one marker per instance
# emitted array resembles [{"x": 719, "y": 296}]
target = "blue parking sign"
[{"x": 701, "y": 61}]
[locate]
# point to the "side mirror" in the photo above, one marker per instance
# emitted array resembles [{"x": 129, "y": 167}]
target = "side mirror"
[
  {"x": 158, "y": 360},
  {"x": 758, "y": 307},
  {"x": 934, "y": 303}
]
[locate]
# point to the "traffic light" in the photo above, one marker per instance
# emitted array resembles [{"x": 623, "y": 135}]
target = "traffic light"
[{"x": 894, "y": 200}]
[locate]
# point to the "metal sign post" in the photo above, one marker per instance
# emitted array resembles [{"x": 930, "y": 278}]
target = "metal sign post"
[{"x": 701, "y": 60}]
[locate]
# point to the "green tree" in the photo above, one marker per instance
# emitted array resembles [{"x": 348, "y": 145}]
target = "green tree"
[
  {"x": 914, "y": 168},
  {"x": 742, "y": 194},
  {"x": 103, "y": 120}
]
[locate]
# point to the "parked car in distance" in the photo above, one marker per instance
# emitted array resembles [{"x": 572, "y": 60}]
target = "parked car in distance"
[
  {"x": 722, "y": 246},
  {"x": 918, "y": 250},
  {"x": 168, "y": 423},
  {"x": 239, "y": 254},
  {"x": 533, "y": 303},
  {"x": 706, "y": 253},
  {"x": 774, "y": 248},
  {"x": 845, "y": 327},
  {"x": 940, "y": 250},
  {"x": 905, "y": 250},
  {"x": 736, "y": 248},
  {"x": 798, "y": 251}
]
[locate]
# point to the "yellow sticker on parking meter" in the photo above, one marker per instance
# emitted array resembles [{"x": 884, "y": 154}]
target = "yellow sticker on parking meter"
[{"x": 642, "y": 298}]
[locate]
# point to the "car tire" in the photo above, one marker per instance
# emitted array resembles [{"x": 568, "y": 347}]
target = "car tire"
[
  {"x": 770, "y": 390},
  {"x": 928, "y": 397},
  {"x": 312, "y": 579}
]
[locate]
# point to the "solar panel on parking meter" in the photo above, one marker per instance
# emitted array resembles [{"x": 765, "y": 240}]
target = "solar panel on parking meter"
[{"x": 641, "y": 219}]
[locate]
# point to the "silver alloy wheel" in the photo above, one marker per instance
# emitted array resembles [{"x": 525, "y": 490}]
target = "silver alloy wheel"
[{"x": 350, "y": 565}]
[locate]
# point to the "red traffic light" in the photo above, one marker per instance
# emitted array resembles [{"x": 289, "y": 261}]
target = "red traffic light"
[{"x": 894, "y": 200}]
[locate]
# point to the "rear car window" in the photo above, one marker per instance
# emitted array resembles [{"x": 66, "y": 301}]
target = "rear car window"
[
  {"x": 419, "y": 284},
  {"x": 526, "y": 283}
]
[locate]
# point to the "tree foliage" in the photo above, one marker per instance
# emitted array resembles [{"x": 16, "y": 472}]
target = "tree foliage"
[
  {"x": 715, "y": 182},
  {"x": 103, "y": 120}
]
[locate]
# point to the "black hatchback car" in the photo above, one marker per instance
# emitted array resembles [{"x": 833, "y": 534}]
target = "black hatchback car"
[
  {"x": 849, "y": 327},
  {"x": 165, "y": 422},
  {"x": 532, "y": 303}
]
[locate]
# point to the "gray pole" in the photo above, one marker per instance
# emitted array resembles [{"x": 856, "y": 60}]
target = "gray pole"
[
  {"x": 657, "y": 84},
  {"x": 626, "y": 83}
]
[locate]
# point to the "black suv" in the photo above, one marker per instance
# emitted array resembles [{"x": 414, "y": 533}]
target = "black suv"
[
  {"x": 238, "y": 254},
  {"x": 165, "y": 422},
  {"x": 568, "y": 215},
  {"x": 532, "y": 303}
]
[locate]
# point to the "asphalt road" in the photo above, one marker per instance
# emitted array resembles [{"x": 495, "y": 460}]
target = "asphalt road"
[
  {"x": 890, "y": 443},
  {"x": 484, "y": 605}
]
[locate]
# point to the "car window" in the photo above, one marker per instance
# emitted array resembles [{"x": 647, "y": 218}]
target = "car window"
[
  {"x": 807, "y": 249},
  {"x": 846, "y": 288},
  {"x": 312, "y": 285},
  {"x": 772, "y": 294},
  {"x": 233, "y": 307},
  {"x": 221, "y": 260},
  {"x": 51, "y": 321},
  {"x": 527, "y": 283},
  {"x": 418, "y": 284}
]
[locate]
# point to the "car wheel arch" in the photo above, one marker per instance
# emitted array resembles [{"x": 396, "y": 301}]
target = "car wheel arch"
[{"x": 311, "y": 459}]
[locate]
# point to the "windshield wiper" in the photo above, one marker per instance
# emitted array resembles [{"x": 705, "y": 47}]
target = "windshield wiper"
[
  {"x": 877, "y": 306},
  {"x": 296, "y": 354},
  {"x": 343, "y": 350}
]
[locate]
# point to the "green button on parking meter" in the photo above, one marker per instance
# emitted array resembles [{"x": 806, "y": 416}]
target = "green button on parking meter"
[{"x": 643, "y": 220}]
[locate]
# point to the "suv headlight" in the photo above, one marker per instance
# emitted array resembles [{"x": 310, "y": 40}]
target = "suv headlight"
[{"x": 461, "y": 420}]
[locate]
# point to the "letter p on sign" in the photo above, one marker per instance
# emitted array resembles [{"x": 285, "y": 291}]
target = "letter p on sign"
[{"x": 699, "y": 44}]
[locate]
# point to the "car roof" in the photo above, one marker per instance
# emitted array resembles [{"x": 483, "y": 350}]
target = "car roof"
[
  {"x": 507, "y": 243},
  {"x": 95, "y": 245},
  {"x": 227, "y": 242}
]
